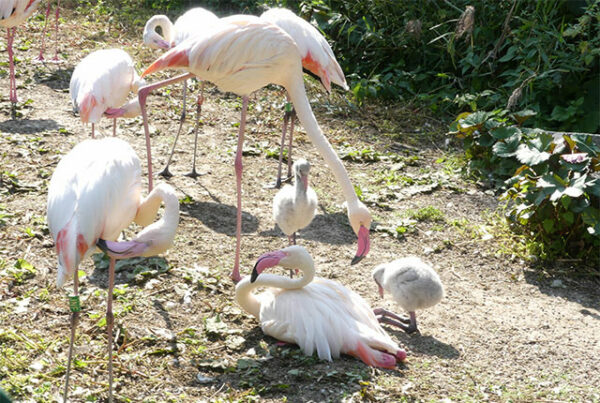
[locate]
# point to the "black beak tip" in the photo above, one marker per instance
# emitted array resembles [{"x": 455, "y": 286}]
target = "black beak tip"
[
  {"x": 253, "y": 276},
  {"x": 356, "y": 259},
  {"x": 102, "y": 245}
]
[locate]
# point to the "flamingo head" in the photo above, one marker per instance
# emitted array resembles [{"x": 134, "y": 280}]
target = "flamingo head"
[
  {"x": 301, "y": 169},
  {"x": 360, "y": 221},
  {"x": 378, "y": 272},
  {"x": 290, "y": 258},
  {"x": 152, "y": 38}
]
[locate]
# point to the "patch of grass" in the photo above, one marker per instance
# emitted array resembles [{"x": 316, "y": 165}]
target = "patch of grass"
[{"x": 428, "y": 213}]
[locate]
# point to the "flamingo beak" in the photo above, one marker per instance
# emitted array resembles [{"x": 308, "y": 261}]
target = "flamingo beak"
[
  {"x": 380, "y": 290},
  {"x": 363, "y": 245},
  {"x": 172, "y": 59},
  {"x": 161, "y": 43},
  {"x": 265, "y": 261},
  {"x": 304, "y": 180}
]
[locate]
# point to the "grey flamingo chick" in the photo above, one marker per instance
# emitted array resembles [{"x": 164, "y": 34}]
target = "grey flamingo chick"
[{"x": 413, "y": 284}]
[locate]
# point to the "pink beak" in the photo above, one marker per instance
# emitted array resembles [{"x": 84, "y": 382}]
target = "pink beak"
[
  {"x": 380, "y": 290},
  {"x": 363, "y": 245},
  {"x": 265, "y": 261},
  {"x": 304, "y": 180}
]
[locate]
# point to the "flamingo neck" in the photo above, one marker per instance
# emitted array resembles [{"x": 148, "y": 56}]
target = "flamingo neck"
[
  {"x": 248, "y": 300},
  {"x": 149, "y": 206},
  {"x": 298, "y": 96},
  {"x": 165, "y": 25}
]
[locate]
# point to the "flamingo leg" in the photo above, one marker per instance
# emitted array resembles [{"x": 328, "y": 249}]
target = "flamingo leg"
[
  {"x": 289, "y": 156},
  {"x": 283, "y": 133},
  {"x": 74, "y": 321},
  {"x": 56, "y": 31},
  {"x": 409, "y": 325},
  {"x": 142, "y": 95},
  {"x": 42, "y": 48},
  {"x": 11, "y": 62},
  {"x": 114, "y": 127},
  {"x": 165, "y": 172},
  {"x": 109, "y": 325},
  {"x": 93, "y": 130},
  {"x": 193, "y": 173},
  {"x": 235, "y": 274}
]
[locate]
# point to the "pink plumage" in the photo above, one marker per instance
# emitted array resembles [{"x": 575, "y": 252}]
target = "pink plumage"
[{"x": 317, "y": 314}]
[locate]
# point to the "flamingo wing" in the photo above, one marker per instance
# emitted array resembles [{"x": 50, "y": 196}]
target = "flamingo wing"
[
  {"x": 316, "y": 53},
  {"x": 194, "y": 21},
  {"x": 94, "y": 192},
  {"x": 14, "y": 12}
]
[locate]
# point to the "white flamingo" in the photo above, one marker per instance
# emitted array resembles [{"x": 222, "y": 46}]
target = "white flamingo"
[
  {"x": 413, "y": 284},
  {"x": 243, "y": 59},
  {"x": 100, "y": 85},
  {"x": 294, "y": 206},
  {"x": 192, "y": 22},
  {"x": 95, "y": 193},
  {"x": 12, "y": 14},
  {"x": 315, "y": 313}
]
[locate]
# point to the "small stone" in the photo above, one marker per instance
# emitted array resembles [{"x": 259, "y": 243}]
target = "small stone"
[
  {"x": 557, "y": 284},
  {"x": 204, "y": 379}
]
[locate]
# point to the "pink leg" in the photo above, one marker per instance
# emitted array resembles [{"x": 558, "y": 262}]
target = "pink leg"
[
  {"x": 109, "y": 324},
  {"x": 56, "y": 31},
  {"x": 165, "y": 172},
  {"x": 142, "y": 95},
  {"x": 13, "y": 82},
  {"x": 285, "y": 124},
  {"x": 114, "y": 127},
  {"x": 74, "y": 320},
  {"x": 289, "y": 156},
  {"x": 235, "y": 274},
  {"x": 193, "y": 173},
  {"x": 42, "y": 48},
  {"x": 93, "y": 134}
]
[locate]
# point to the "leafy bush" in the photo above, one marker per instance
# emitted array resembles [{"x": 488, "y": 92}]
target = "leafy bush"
[{"x": 549, "y": 180}]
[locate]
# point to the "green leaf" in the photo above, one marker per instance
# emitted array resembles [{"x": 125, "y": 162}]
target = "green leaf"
[
  {"x": 585, "y": 144},
  {"x": 503, "y": 132},
  {"x": 476, "y": 119},
  {"x": 531, "y": 156},
  {"x": 507, "y": 148},
  {"x": 548, "y": 225}
]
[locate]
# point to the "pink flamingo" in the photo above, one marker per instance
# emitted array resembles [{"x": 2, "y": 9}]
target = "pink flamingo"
[
  {"x": 193, "y": 21},
  {"x": 243, "y": 59},
  {"x": 100, "y": 85},
  {"x": 13, "y": 13},
  {"x": 95, "y": 193},
  {"x": 314, "y": 313},
  {"x": 56, "y": 14},
  {"x": 317, "y": 57}
]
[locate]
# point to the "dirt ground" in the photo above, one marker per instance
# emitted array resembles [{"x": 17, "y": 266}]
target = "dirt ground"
[{"x": 506, "y": 330}]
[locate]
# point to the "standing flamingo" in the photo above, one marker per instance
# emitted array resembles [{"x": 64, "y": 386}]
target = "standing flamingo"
[
  {"x": 243, "y": 59},
  {"x": 56, "y": 14},
  {"x": 314, "y": 313},
  {"x": 13, "y": 13},
  {"x": 100, "y": 85},
  {"x": 192, "y": 22},
  {"x": 317, "y": 57},
  {"x": 413, "y": 284},
  {"x": 95, "y": 193}
]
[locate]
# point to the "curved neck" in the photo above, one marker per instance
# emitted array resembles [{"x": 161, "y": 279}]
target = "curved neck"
[
  {"x": 149, "y": 206},
  {"x": 248, "y": 301},
  {"x": 298, "y": 96},
  {"x": 165, "y": 25}
]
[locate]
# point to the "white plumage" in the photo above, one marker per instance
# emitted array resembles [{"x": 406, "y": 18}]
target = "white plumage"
[
  {"x": 413, "y": 284},
  {"x": 103, "y": 80},
  {"x": 317, "y": 314},
  {"x": 294, "y": 206}
]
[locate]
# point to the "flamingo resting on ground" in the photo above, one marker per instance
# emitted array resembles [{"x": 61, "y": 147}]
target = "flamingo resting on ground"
[
  {"x": 193, "y": 21},
  {"x": 100, "y": 85},
  {"x": 413, "y": 284},
  {"x": 13, "y": 13},
  {"x": 315, "y": 313},
  {"x": 56, "y": 14},
  {"x": 243, "y": 59},
  {"x": 317, "y": 57},
  {"x": 95, "y": 193}
]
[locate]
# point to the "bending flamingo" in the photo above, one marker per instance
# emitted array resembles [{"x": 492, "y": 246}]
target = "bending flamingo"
[
  {"x": 317, "y": 57},
  {"x": 243, "y": 59},
  {"x": 413, "y": 284},
  {"x": 13, "y": 13},
  {"x": 100, "y": 85},
  {"x": 56, "y": 14},
  {"x": 94, "y": 193},
  {"x": 193, "y": 21},
  {"x": 315, "y": 313}
]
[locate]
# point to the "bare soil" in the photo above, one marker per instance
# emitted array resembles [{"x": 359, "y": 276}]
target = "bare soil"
[{"x": 506, "y": 330}]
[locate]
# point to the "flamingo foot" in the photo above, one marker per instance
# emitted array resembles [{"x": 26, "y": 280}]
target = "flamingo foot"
[
  {"x": 400, "y": 355},
  {"x": 165, "y": 173},
  {"x": 193, "y": 174}
]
